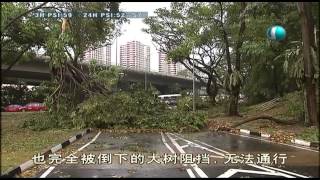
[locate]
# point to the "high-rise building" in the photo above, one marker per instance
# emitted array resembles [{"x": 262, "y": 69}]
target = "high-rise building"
[
  {"x": 180, "y": 67},
  {"x": 147, "y": 57},
  {"x": 167, "y": 67},
  {"x": 163, "y": 68},
  {"x": 108, "y": 55},
  {"x": 102, "y": 55},
  {"x": 135, "y": 55}
]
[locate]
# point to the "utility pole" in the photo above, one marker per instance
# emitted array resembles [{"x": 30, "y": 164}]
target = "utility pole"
[
  {"x": 145, "y": 74},
  {"x": 193, "y": 85},
  {"x": 116, "y": 50}
]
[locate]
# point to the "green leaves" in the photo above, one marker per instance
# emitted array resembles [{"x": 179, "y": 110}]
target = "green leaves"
[
  {"x": 271, "y": 67},
  {"x": 105, "y": 76},
  {"x": 56, "y": 50},
  {"x": 23, "y": 36},
  {"x": 293, "y": 60},
  {"x": 138, "y": 109},
  {"x": 181, "y": 52}
]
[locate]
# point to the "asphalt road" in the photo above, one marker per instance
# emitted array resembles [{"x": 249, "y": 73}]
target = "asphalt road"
[{"x": 205, "y": 154}]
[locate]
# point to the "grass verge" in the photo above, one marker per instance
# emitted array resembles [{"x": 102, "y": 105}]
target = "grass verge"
[
  {"x": 20, "y": 144},
  {"x": 310, "y": 134},
  {"x": 284, "y": 109}
]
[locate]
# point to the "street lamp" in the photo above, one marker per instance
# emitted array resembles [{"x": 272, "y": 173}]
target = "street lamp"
[
  {"x": 116, "y": 50},
  {"x": 145, "y": 74},
  {"x": 193, "y": 85}
]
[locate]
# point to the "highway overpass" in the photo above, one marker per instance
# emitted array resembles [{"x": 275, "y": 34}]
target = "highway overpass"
[{"x": 36, "y": 71}]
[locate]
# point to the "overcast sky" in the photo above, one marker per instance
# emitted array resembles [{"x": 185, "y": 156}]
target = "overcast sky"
[{"x": 133, "y": 31}]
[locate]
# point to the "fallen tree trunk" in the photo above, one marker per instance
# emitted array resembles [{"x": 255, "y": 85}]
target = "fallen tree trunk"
[{"x": 287, "y": 122}]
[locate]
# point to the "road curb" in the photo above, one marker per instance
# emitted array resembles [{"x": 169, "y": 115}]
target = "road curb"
[
  {"x": 245, "y": 131},
  {"x": 254, "y": 133},
  {"x": 268, "y": 136},
  {"x": 28, "y": 164},
  {"x": 305, "y": 143}
]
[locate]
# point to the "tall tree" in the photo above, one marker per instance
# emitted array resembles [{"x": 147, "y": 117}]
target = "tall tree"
[
  {"x": 194, "y": 27},
  {"x": 233, "y": 77},
  {"x": 186, "y": 35},
  {"x": 21, "y": 34},
  {"x": 264, "y": 75},
  {"x": 71, "y": 37},
  {"x": 309, "y": 60}
]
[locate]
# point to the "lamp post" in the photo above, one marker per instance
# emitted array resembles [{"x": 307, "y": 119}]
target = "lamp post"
[
  {"x": 193, "y": 85},
  {"x": 145, "y": 74},
  {"x": 116, "y": 50}
]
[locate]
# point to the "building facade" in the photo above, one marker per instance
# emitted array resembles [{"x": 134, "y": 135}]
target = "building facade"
[
  {"x": 102, "y": 55},
  {"x": 135, "y": 55},
  {"x": 108, "y": 55},
  {"x": 167, "y": 67}
]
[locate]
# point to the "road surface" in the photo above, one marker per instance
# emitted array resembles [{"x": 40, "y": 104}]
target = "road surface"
[{"x": 205, "y": 154}]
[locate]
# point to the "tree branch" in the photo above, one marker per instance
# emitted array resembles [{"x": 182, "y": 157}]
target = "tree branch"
[
  {"x": 287, "y": 122},
  {"x": 198, "y": 77},
  {"x": 17, "y": 59},
  {"x": 23, "y": 14}
]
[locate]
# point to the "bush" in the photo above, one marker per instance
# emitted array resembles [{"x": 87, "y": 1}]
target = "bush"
[
  {"x": 120, "y": 110},
  {"x": 53, "y": 118},
  {"x": 185, "y": 103},
  {"x": 310, "y": 134},
  {"x": 104, "y": 112},
  {"x": 137, "y": 109},
  {"x": 295, "y": 104}
]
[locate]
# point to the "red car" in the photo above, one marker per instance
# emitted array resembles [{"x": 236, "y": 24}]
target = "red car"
[
  {"x": 14, "y": 108},
  {"x": 35, "y": 107}
]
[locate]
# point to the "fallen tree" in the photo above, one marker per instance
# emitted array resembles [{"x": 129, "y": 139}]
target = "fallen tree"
[{"x": 279, "y": 121}]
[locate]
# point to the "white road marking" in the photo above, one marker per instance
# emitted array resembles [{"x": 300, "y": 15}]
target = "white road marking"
[
  {"x": 277, "y": 170},
  {"x": 231, "y": 172},
  {"x": 260, "y": 167},
  {"x": 226, "y": 152},
  {"x": 227, "y": 174},
  {"x": 189, "y": 171},
  {"x": 199, "y": 146},
  {"x": 166, "y": 144},
  {"x": 89, "y": 142},
  {"x": 184, "y": 146},
  {"x": 194, "y": 166},
  {"x": 288, "y": 172},
  {"x": 47, "y": 172},
  {"x": 271, "y": 171},
  {"x": 199, "y": 171},
  {"x": 277, "y": 143}
]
